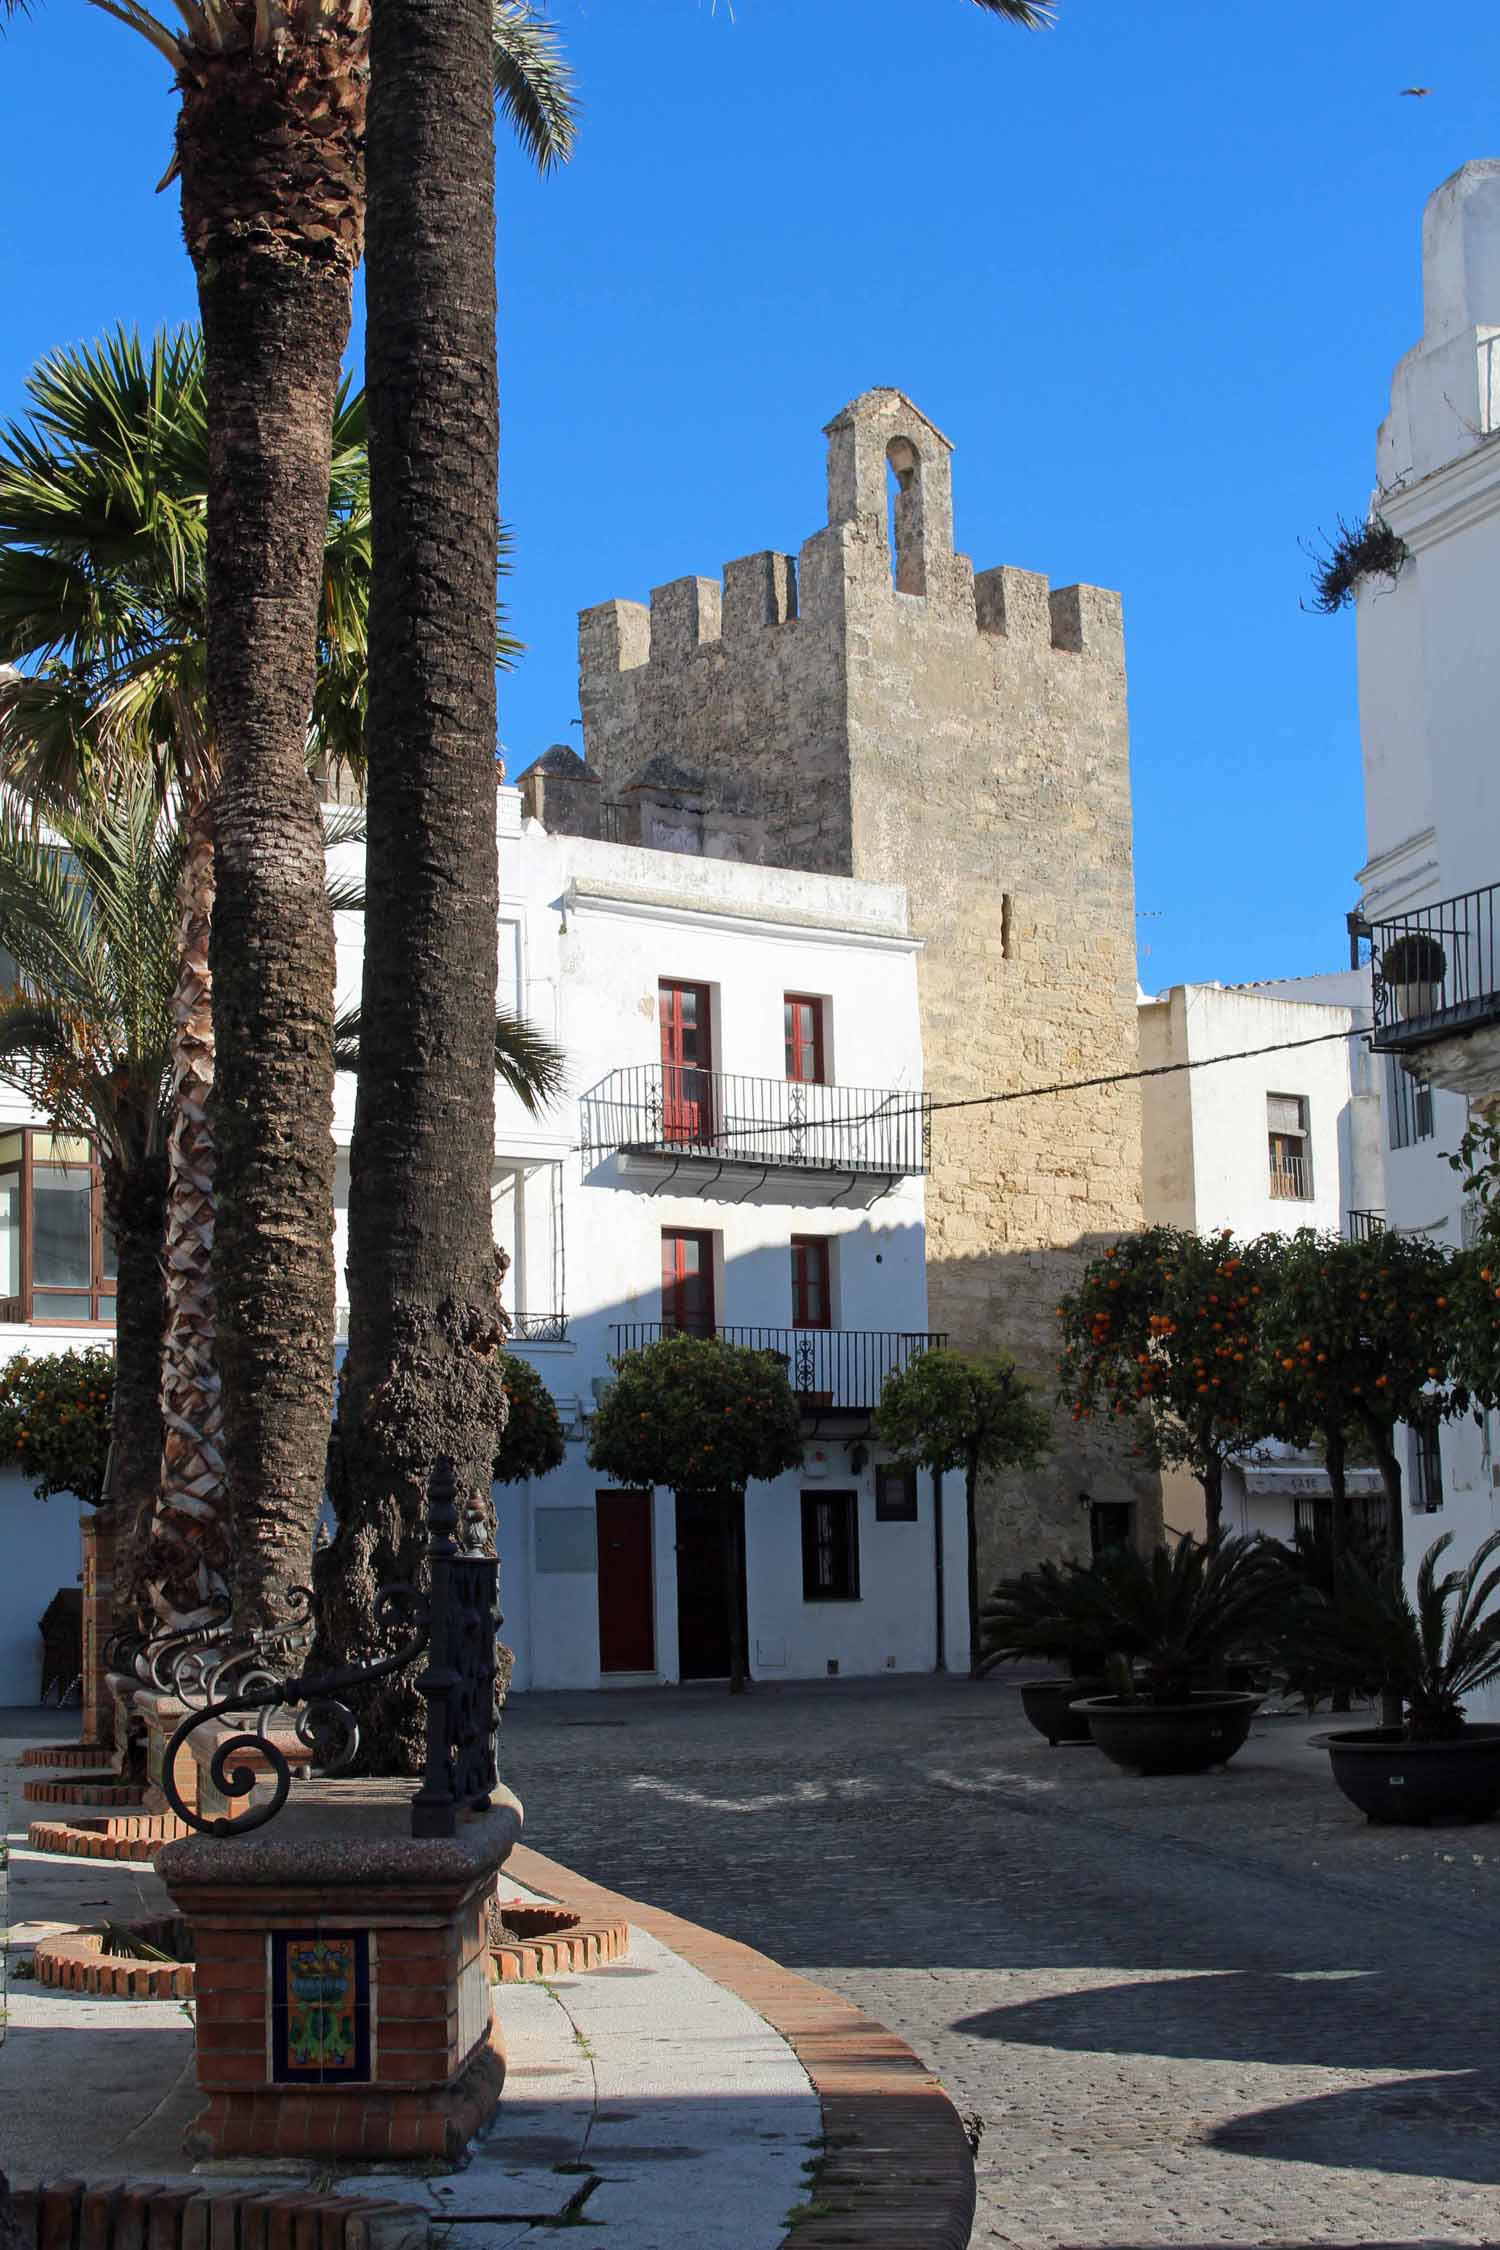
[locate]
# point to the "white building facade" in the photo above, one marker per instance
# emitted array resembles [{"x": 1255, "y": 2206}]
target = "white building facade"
[
  {"x": 741, "y": 1149},
  {"x": 1262, "y": 1143},
  {"x": 1429, "y": 694}
]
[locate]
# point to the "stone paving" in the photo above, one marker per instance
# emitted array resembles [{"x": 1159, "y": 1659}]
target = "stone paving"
[{"x": 1219, "y": 2010}]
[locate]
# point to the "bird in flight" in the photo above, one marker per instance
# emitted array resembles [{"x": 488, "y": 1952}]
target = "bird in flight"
[{"x": 1418, "y": 93}]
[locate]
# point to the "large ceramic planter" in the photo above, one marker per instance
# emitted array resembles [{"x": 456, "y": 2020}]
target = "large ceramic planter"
[
  {"x": 1171, "y": 1737},
  {"x": 1412, "y": 1782},
  {"x": 1052, "y": 1707}
]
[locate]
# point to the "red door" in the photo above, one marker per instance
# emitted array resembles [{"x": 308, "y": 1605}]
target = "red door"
[
  {"x": 627, "y": 1611},
  {"x": 686, "y": 1062}
]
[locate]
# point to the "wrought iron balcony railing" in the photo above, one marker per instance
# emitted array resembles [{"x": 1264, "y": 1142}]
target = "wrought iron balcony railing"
[
  {"x": 1291, "y": 1179},
  {"x": 1436, "y": 970},
  {"x": 538, "y": 1328},
  {"x": 841, "y": 1369},
  {"x": 1363, "y": 1226},
  {"x": 764, "y": 1124}
]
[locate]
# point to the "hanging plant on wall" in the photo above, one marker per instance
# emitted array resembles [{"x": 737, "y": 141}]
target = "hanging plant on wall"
[{"x": 1357, "y": 550}]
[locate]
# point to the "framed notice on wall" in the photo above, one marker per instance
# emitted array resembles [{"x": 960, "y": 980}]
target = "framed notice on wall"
[{"x": 895, "y": 1495}]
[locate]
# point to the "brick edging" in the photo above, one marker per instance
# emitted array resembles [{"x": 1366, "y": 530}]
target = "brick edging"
[
  {"x": 560, "y": 1942},
  {"x": 76, "y": 1961},
  {"x": 898, "y": 2169},
  {"x": 143, "y": 2215},
  {"x": 65, "y": 1753},
  {"x": 129, "y": 1836},
  {"x": 82, "y": 1789}
]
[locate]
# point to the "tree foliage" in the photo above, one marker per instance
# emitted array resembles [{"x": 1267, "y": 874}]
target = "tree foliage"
[
  {"x": 696, "y": 1414},
  {"x": 532, "y": 1444},
  {"x": 55, "y": 1420},
  {"x": 1164, "y": 1329},
  {"x": 953, "y": 1410},
  {"x": 1358, "y": 1335}
]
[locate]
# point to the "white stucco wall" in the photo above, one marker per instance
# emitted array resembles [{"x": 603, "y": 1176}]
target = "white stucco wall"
[
  {"x": 587, "y": 930},
  {"x": 1429, "y": 695},
  {"x": 43, "y": 1553}
]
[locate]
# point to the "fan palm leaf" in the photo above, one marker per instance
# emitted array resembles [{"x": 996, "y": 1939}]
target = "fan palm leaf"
[{"x": 532, "y": 1068}]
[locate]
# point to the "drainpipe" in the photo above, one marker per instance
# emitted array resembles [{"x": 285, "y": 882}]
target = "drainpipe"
[{"x": 937, "y": 1566}]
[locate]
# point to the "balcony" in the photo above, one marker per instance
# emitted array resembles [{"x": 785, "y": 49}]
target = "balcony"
[
  {"x": 834, "y": 1371},
  {"x": 1437, "y": 979},
  {"x": 666, "y": 1114},
  {"x": 1291, "y": 1180},
  {"x": 1363, "y": 1226}
]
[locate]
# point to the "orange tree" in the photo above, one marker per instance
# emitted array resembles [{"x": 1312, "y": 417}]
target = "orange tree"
[
  {"x": 1474, "y": 1335},
  {"x": 54, "y": 1421},
  {"x": 703, "y": 1416},
  {"x": 1359, "y": 1337},
  {"x": 1164, "y": 1327},
  {"x": 532, "y": 1443}
]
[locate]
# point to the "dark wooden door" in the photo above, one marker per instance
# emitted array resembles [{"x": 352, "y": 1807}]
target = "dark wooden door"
[
  {"x": 702, "y": 1586},
  {"x": 627, "y": 1609},
  {"x": 686, "y": 1063}
]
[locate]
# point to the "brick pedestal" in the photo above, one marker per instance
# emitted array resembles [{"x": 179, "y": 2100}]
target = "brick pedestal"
[{"x": 344, "y": 2006}]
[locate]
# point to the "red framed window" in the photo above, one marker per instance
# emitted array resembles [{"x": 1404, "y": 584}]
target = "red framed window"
[
  {"x": 812, "y": 1282},
  {"x": 687, "y": 1282},
  {"x": 804, "y": 1040},
  {"x": 686, "y": 1060}
]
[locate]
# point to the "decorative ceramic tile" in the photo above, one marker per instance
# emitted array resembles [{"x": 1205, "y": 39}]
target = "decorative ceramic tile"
[{"x": 320, "y": 2007}]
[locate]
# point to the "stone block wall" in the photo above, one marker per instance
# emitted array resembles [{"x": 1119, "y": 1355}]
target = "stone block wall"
[{"x": 874, "y": 709}]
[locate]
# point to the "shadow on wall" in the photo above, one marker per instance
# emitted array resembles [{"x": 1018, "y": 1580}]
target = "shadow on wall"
[{"x": 1008, "y": 1300}]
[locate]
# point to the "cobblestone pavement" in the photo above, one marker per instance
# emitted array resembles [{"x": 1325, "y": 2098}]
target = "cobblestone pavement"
[{"x": 1218, "y": 2010}]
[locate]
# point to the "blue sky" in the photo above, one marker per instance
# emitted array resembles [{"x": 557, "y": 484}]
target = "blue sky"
[{"x": 1150, "y": 272}]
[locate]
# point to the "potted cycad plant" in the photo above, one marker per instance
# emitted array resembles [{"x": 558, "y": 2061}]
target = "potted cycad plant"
[
  {"x": 1428, "y": 1654},
  {"x": 1179, "y": 1618},
  {"x": 1413, "y": 967},
  {"x": 1058, "y": 1613}
]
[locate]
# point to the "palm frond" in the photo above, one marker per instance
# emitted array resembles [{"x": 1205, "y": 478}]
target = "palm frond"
[
  {"x": 1031, "y": 15},
  {"x": 534, "y": 84},
  {"x": 533, "y": 1069}
]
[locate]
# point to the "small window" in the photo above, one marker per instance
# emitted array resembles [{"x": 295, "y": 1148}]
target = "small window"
[
  {"x": 1109, "y": 1525},
  {"x": 830, "y": 1547},
  {"x": 57, "y": 1259},
  {"x": 687, "y": 1282},
  {"x": 805, "y": 1061},
  {"x": 1290, "y": 1147},
  {"x": 895, "y": 1494},
  {"x": 812, "y": 1282},
  {"x": 1426, "y": 1469},
  {"x": 1408, "y": 1106}
]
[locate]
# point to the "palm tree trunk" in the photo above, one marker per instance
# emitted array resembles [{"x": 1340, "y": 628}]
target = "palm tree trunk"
[
  {"x": 190, "y": 1557},
  {"x": 135, "y": 1212},
  {"x": 1211, "y": 1477},
  {"x": 271, "y": 149},
  {"x": 422, "y": 1375}
]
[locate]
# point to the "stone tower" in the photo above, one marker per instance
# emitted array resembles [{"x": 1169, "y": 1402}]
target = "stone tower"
[{"x": 872, "y": 708}]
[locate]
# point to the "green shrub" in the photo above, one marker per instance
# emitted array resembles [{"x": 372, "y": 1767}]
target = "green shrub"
[{"x": 55, "y": 1419}]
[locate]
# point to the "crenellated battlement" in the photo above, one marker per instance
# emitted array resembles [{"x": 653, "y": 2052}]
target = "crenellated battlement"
[{"x": 887, "y": 546}]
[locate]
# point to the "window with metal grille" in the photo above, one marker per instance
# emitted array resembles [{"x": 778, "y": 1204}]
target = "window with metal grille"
[
  {"x": 830, "y": 1547},
  {"x": 1290, "y": 1147},
  {"x": 1425, "y": 1469},
  {"x": 1408, "y": 1106}
]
